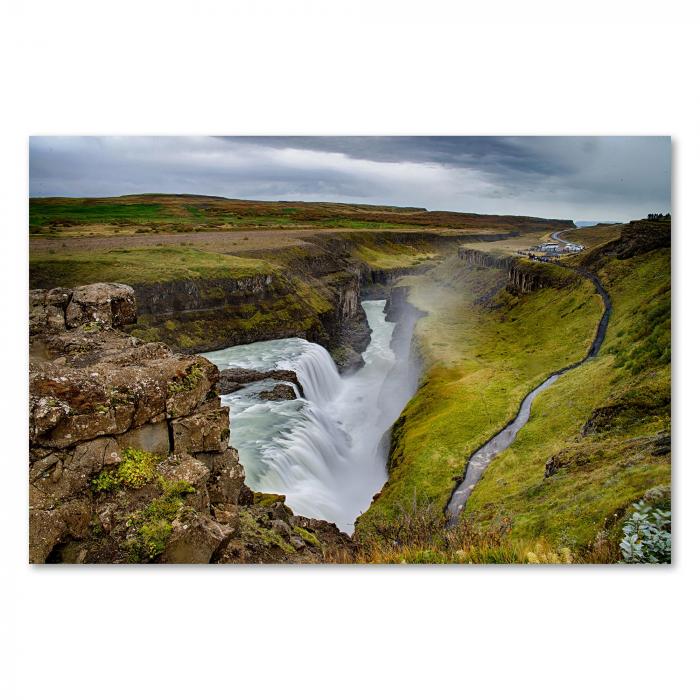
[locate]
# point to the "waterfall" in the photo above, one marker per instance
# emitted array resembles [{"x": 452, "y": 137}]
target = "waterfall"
[
  {"x": 316, "y": 371},
  {"x": 325, "y": 451}
]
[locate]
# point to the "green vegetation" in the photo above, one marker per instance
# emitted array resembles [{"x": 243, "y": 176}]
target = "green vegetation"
[
  {"x": 604, "y": 424},
  {"x": 255, "y": 533},
  {"x": 136, "y": 469},
  {"x": 76, "y": 211},
  {"x": 597, "y": 440},
  {"x": 358, "y": 224},
  {"x": 474, "y": 380},
  {"x": 416, "y": 534},
  {"x": 307, "y": 536},
  {"x": 151, "y": 527},
  {"x": 591, "y": 236},
  {"x": 187, "y": 382},
  {"x": 389, "y": 257},
  {"x": 647, "y": 536},
  {"x": 139, "y": 265},
  {"x": 267, "y": 499},
  {"x": 156, "y": 212}
]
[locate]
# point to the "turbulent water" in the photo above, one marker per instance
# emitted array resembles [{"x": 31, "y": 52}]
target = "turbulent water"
[{"x": 326, "y": 451}]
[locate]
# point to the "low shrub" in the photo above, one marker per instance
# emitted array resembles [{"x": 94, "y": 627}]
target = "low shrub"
[{"x": 647, "y": 536}]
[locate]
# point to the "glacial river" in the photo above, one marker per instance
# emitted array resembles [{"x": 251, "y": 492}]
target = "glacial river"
[{"x": 326, "y": 452}]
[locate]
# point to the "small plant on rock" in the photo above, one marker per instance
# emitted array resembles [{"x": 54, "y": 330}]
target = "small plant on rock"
[
  {"x": 187, "y": 382},
  {"x": 136, "y": 469}
]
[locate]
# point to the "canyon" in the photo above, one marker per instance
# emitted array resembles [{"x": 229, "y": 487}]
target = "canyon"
[{"x": 355, "y": 371}]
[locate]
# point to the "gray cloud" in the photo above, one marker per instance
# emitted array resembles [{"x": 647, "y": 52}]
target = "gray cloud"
[{"x": 574, "y": 177}]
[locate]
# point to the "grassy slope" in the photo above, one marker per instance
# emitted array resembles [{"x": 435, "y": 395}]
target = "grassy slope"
[
  {"x": 481, "y": 362},
  {"x": 474, "y": 381},
  {"x": 590, "y": 236},
  {"x": 602, "y": 473}
]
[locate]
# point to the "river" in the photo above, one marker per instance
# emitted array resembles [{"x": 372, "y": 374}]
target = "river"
[
  {"x": 503, "y": 439},
  {"x": 326, "y": 452}
]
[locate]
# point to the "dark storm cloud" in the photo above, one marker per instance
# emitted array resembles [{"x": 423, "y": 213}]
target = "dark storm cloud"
[
  {"x": 573, "y": 177},
  {"x": 487, "y": 152}
]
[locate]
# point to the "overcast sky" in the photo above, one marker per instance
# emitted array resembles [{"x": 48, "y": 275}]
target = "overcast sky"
[{"x": 598, "y": 178}]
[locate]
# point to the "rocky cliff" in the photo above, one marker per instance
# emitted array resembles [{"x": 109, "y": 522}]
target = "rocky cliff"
[
  {"x": 313, "y": 298},
  {"x": 313, "y": 291},
  {"x": 524, "y": 275},
  {"x": 128, "y": 449}
]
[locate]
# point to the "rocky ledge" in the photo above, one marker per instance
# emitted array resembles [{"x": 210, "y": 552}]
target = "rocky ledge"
[
  {"x": 128, "y": 448},
  {"x": 235, "y": 378}
]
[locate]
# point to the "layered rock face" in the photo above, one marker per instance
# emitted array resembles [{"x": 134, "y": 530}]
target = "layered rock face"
[
  {"x": 524, "y": 276},
  {"x": 316, "y": 299},
  {"x": 128, "y": 446}
]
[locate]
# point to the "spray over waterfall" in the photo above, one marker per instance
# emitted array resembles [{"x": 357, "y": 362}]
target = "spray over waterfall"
[{"x": 324, "y": 452}]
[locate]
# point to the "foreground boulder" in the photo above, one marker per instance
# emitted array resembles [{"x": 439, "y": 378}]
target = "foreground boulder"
[{"x": 129, "y": 454}]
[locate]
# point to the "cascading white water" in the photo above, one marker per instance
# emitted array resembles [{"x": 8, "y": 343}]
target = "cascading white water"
[{"x": 325, "y": 451}]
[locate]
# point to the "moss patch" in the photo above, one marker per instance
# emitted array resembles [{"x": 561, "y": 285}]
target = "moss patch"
[
  {"x": 151, "y": 527},
  {"x": 187, "y": 382},
  {"x": 308, "y": 537},
  {"x": 255, "y": 533},
  {"x": 267, "y": 499},
  {"x": 136, "y": 469}
]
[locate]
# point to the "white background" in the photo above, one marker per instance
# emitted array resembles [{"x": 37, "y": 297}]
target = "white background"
[{"x": 359, "y": 67}]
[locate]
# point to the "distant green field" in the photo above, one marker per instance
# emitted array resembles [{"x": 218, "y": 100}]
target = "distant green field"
[
  {"x": 48, "y": 214},
  {"x": 72, "y": 213},
  {"x": 87, "y": 211}
]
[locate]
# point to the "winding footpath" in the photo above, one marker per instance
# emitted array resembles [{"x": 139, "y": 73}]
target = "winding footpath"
[{"x": 481, "y": 459}]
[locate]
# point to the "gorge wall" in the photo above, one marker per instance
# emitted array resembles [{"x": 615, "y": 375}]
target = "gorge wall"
[
  {"x": 210, "y": 314},
  {"x": 312, "y": 291},
  {"x": 524, "y": 275}
]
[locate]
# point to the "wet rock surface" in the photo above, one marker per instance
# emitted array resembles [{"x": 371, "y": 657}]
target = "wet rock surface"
[
  {"x": 280, "y": 392},
  {"x": 236, "y": 378},
  {"x": 129, "y": 455}
]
